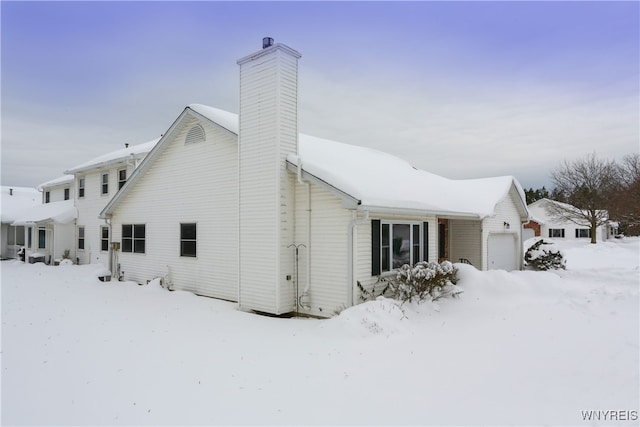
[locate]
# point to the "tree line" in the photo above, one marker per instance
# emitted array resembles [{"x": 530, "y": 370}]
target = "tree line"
[{"x": 592, "y": 190}]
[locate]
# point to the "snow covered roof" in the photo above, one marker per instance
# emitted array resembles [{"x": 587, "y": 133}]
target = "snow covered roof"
[
  {"x": 356, "y": 170},
  {"x": 15, "y": 200},
  {"x": 58, "y": 212},
  {"x": 135, "y": 151},
  {"x": 377, "y": 180},
  {"x": 64, "y": 179}
]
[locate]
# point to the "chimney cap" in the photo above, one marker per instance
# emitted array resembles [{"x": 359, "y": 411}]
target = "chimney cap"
[{"x": 267, "y": 42}]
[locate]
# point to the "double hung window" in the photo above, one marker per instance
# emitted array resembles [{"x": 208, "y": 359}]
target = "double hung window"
[{"x": 133, "y": 238}]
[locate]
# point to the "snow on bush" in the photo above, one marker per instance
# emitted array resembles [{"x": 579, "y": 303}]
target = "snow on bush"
[
  {"x": 424, "y": 281},
  {"x": 544, "y": 259}
]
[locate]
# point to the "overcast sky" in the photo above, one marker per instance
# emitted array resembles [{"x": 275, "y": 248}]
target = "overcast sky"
[{"x": 460, "y": 89}]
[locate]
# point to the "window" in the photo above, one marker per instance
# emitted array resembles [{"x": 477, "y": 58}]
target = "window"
[
  {"x": 583, "y": 233},
  {"x": 30, "y": 237},
  {"x": 42, "y": 238},
  {"x": 66, "y": 194},
  {"x": 104, "y": 184},
  {"x": 396, "y": 244},
  {"x": 104, "y": 238},
  {"x": 80, "y": 187},
  {"x": 47, "y": 196},
  {"x": 195, "y": 134},
  {"x": 556, "y": 232},
  {"x": 188, "y": 240},
  {"x": 80, "y": 237},
  {"x": 15, "y": 235},
  {"x": 133, "y": 238},
  {"x": 122, "y": 177}
]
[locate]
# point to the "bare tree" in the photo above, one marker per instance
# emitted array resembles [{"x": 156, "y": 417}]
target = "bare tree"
[
  {"x": 586, "y": 185},
  {"x": 625, "y": 203}
]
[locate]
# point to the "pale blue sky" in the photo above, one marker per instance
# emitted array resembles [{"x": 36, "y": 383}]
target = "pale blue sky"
[{"x": 462, "y": 89}]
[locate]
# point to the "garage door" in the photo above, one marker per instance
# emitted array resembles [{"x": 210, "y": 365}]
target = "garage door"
[
  {"x": 528, "y": 233},
  {"x": 502, "y": 252}
]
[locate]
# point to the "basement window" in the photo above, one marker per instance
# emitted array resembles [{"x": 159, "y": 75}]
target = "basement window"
[{"x": 195, "y": 134}]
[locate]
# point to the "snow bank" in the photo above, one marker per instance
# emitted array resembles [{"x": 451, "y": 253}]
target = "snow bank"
[{"x": 519, "y": 348}]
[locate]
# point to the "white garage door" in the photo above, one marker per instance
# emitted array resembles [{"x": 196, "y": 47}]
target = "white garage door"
[{"x": 502, "y": 252}]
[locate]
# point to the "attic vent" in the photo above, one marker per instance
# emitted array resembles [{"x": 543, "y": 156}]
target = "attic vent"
[{"x": 196, "y": 134}]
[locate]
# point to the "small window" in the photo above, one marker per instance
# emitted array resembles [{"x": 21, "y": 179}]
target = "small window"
[
  {"x": 30, "y": 237},
  {"x": 122, "y": 178},
  {"x": 81, "y": 238},
  {"x": 195, "y": 134},
  {"x": 104, "y": 184},
  {"x": 188, "y": 240},
  {"x": 42, "y": 238},
  {"x": 104, "y": 238},
  {"x": 133, "y": 238},
  {"x": 66, "y": 194},
  {"x": 47, "y": 196},
  {"x": 556, "y": 232},
  {"x": 80, "y": 187}
]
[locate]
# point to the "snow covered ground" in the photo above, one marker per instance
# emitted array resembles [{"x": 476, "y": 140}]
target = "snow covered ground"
[{"x": 521, "y": 348}]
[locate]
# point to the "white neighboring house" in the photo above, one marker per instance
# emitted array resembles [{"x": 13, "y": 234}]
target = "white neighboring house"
[
  {"x": 95, "y": 182},
  {"x": 15, "y": 200},
  {"x": 50, "y": 225},
  {"x": 244, "y": 208},
  {"x": 545, "y": 225}
]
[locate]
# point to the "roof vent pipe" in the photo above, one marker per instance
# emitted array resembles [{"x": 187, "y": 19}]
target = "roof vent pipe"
[
  {"x": 267, "y": 42},
  {"x": 126, "y": 145},
  {"x": 11, "y": 191}
]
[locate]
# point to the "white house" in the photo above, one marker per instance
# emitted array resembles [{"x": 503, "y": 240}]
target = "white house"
[
  {"x": 15, "y": 200},
  {"x": 95, "y": 182},
  {"x": 50, "y": 225},
  {"x": 545, "y": 225},
  {"x": 244, "y": 208}
]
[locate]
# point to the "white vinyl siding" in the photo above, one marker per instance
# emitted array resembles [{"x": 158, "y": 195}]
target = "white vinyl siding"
[
  {"x": 465, "y": 241},
  {"x": 328, "y": 250},
  {"x": 268, "y": 132},
  {"x": 505, "y": 220},
  {"x": 167, "y": 184}
]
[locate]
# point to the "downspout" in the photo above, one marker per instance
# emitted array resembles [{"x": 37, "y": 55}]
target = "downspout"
[
  {"x": 305, "y": 301},
  {"x": 353, "y": 254},
  {"x": 109, "y": 250}
]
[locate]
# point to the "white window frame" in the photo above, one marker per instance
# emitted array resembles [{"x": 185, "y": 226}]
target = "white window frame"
[
  {"x": 81, "y": 237},
  {"x": 81, "y": 187},
  {"x": 385, "y": 269},
  {"x": 122, "y": 181},
  {"x": 102, "y": 238},
  {"x": 104, "y": 186}
]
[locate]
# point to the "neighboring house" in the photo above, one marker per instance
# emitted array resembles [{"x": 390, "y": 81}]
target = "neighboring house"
[
  {"x": 15, "y": 200},
  {"x": 51, "y": 225},
  {"x": 95, "y": 182},
  {"x": 244, "y": 208},
  {"x": 543, "y": 224}
]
